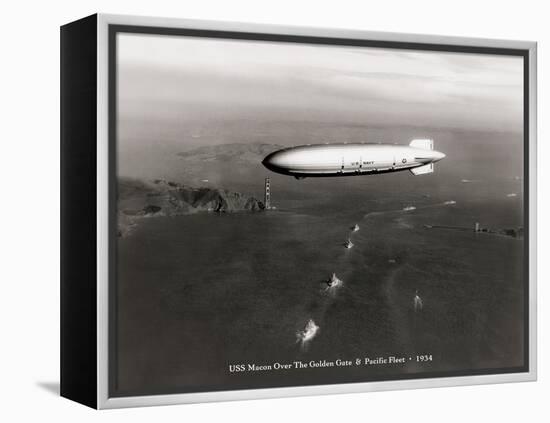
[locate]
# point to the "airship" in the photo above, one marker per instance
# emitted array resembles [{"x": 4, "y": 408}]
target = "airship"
[{"x": 349, "y": 159}]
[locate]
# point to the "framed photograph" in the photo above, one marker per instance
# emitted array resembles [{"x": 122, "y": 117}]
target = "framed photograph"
[{"x": 253, "y": 211}]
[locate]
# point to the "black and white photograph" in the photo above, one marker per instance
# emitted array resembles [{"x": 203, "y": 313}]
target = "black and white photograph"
[
  {"x": 278, "y": 211},
  {"x": 296, "y": 212}
]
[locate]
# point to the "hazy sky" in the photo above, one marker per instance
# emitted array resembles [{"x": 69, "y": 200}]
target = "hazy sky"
[{"x": 177, "y": 91}]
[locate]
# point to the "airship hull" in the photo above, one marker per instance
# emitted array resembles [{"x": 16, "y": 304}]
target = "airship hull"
[{"x": 330, "y": 160}]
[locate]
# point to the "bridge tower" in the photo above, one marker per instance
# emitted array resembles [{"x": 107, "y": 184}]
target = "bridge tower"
[{"x": 267, "y": 194}]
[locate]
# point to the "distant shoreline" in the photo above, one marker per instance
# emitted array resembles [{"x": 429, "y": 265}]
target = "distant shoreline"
[{"x": 138, "y": 199}]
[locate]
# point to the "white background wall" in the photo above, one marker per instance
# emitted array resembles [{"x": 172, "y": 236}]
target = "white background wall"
[{"x": 29, "y": 208}]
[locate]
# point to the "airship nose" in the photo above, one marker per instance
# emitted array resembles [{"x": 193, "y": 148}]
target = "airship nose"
[
  {"x": 274, "y": 161},
  {"x": 267, "y": 161}
]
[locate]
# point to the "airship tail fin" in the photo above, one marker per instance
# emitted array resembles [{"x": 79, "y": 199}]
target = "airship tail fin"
[
  {"x": 421, "y": 170},
  {"x": 425, "y": 144}
]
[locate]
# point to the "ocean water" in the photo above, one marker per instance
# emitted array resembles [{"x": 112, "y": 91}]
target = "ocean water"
[{"x": 199, "y": 293}]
